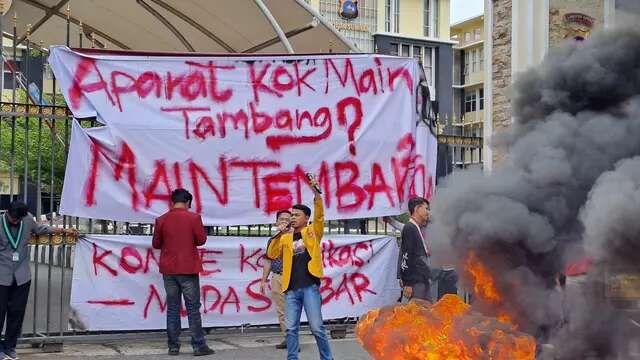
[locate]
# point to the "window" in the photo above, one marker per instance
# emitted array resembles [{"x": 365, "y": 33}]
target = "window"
[
  {"x": 396, "y": 16},
  {"x": 470, "y": 103},
  {"x": 467, "y": 37},
  {"x": 417, "y": 53},
  {"x": 430, "y": 18},
  {"x": 406, "y": 50},
  {"x": 481, "y": 58},
  {"x": 435, "y": 22},
  {"x": 387, "y": 15},
  {"x": 394, "y": 49},
  {"x": 473, "y": 61},
  {"x": 392, "y": 16},
  {"x": 481, "y": 99},
  {"x": 476, "y": 34},
  {"x": 423, "y": 54},
  {"x": 466, "y": 63},
  {"x": 428, "y": 65},
  {"x": 427, "y": 17}
]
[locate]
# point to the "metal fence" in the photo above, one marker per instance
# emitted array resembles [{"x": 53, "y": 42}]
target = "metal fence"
[{"x": 34, "y": 141}]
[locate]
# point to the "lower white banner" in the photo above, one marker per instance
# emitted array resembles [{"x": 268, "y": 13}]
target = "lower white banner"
[{"x": 117, "y": 285}]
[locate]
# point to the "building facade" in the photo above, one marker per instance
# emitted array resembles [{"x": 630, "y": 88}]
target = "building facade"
[
  {"x": 412, "y": 28},
  {"x": 522, "y": 32},
  {"x": 468, "y": 90}
]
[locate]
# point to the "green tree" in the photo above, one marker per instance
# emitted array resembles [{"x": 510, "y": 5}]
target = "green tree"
[{"x": 45, "y": 142}]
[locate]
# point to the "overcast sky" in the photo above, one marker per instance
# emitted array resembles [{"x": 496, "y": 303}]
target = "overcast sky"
[{"x": 464, "y": 9}]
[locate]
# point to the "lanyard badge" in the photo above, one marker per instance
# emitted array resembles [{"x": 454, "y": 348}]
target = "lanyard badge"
[
  {"x": 13, "y": 241},
  {"x": 424, "y": 241}
]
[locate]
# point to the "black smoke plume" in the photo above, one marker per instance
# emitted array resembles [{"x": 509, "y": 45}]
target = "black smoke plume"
[{"x": 576, "y": 116}]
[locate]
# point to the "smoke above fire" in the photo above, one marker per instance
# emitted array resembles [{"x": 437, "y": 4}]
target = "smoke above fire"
[
  {"x": 571, "y": 181},
  {"x": 612, "y": 229}
]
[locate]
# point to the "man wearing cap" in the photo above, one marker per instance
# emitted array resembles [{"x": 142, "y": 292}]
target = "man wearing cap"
[{"x": 15, "y": 273}]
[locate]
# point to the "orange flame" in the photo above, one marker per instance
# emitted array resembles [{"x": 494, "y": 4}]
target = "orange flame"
[
  {"x": 447, "y": 330},
  {"x": 484, "y": 286},
  {"x": 483, "y": 283}
]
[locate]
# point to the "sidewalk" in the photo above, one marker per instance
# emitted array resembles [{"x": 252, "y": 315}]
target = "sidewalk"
[{"x": 228, "y": 347}]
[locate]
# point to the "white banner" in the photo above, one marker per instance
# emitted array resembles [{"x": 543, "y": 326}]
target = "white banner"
[
  {"x": 239, "y": 132},
  {"x": 116, "y": 284}
]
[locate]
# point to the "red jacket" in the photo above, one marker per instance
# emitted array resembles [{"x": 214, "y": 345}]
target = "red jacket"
[{"x": 178, "y": 233}]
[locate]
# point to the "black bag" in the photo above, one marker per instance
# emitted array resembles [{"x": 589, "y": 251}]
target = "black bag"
[{"x": 445, "y": 280}]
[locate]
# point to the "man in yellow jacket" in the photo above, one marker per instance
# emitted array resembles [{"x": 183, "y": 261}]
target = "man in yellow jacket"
[{"x": 301, "y": 252}]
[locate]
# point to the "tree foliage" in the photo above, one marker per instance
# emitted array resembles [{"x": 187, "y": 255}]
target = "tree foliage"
[{"x": 43, "y": 140}]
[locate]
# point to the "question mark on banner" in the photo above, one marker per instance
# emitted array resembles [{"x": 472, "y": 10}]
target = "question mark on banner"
[{"x": 356, "y": 104}]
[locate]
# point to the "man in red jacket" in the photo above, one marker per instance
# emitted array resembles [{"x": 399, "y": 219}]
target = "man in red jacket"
[{"x": 177, "y": 234}]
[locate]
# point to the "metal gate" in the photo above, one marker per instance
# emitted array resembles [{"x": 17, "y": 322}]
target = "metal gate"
[{"x": 34, "y": 140}]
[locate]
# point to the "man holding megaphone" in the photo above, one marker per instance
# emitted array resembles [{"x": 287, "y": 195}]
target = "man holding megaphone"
[{"x": 300, "y": 248}]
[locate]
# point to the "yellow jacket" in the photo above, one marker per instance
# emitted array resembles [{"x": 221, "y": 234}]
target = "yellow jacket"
[{"x": 311, "y": 235}]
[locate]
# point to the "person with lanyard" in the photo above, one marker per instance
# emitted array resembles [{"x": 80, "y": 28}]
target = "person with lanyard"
[
  {"x": 300, "y": 248},
  {"x": 414, "y": 252},
  {"x": 15, "y": 272},
  {"x": 274, "y": 267},
  {"x": 398, "y": 226}
]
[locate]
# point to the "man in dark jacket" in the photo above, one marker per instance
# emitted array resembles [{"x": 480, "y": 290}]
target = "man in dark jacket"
[
  {"x": 178, "y": 233},
  {"x": 414, "y": 252}
]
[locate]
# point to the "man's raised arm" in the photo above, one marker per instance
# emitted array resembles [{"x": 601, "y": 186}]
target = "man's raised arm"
[{"x": 318, "y": 216}]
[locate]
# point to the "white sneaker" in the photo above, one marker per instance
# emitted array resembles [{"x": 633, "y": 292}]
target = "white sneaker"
[{"x": 10, "y": 355}]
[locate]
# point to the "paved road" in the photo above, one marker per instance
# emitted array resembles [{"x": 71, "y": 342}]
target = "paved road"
[
  {"x": 227, "y": 348},
  {"x": 53, "y": 289}
]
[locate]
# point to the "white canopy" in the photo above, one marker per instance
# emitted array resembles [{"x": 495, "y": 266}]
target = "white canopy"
[{"x": 228, "y": 26}]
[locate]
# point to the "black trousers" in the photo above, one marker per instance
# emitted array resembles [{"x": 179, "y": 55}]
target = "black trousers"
[{"x": 13, "y": 304}]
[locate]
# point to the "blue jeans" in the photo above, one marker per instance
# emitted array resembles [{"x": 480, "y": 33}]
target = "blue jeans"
[
  {"x": 176, "y": 287},
  {"x": 309, "y": 298}
]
